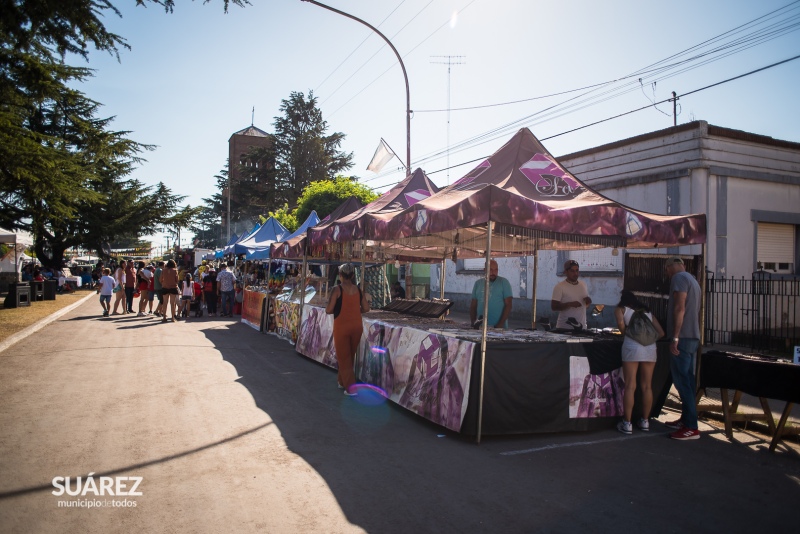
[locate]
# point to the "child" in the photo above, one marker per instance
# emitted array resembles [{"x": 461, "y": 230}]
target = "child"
[
  {"x": 197, "y": 303},
  {"x": 106, "y": 289},
  {"x": 187, "y": 295},
  {"x": 238, "y": 298}
]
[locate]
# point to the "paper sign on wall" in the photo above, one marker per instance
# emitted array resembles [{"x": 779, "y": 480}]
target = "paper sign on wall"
[{"x": 797, "y": 355}]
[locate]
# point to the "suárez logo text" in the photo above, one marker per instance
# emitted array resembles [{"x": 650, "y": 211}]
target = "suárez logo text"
[{"x": 117, "y": 486}]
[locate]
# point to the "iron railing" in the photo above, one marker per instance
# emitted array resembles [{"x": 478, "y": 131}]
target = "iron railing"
[{"x": 761, "y": 313}]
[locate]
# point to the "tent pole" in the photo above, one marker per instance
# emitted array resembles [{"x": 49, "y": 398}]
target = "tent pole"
[
  {"x": 363, "y": 261},
  {"x": 303, "y": 292},
  {"x": 484, "y": 325},
  {"x": 442, "y": 277},
  {"x": 533, "y": 288},
  {"x": 703, "y": 282},
  {"x": 388, "y": 296}
]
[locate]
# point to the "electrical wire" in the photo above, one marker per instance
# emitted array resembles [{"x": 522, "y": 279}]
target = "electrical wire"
[
  {"x": 620, "y": 114},
  {"x": 348, "y": 78},
  {"x": 369, "y": 34}
]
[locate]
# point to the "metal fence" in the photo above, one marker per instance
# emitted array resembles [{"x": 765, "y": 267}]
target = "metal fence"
[{"x": 761, "y": 313}]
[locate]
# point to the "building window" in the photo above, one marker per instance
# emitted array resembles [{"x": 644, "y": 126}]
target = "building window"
[
  {"x": 775, "y": 247},
  {"x": 601, "y": 261},
  {"x": 474, "y": 264}
]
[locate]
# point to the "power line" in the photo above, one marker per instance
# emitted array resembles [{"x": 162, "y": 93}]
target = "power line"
[
  {"x": 375, "y": 54},
  {"x": 370, "y": 34},
  {"x": 446, "y": 23},
  {"x": 650, "y": 69},
  {"x": 627, "y": 112}
]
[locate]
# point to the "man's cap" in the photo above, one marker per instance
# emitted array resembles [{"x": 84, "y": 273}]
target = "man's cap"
[
  {"x": 569, "y": 264},
  {"x": 673, "y": 260}
]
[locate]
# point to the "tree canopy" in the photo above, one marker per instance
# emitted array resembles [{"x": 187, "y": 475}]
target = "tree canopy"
[
  {"x": 304, "y": 152},
  {"x": 63, "y": 170},
  {"x": 324, "y": 196}
]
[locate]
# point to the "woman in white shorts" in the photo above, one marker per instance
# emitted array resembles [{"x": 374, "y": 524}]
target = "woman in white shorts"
[
  {"x": 187, "y": 295},
  {"x": 636, "y": 359}
]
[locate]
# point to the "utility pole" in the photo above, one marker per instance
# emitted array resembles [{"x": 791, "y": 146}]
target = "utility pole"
[
  {"x": 450, "y": 60},
  {"x": 674, "y": 109}
]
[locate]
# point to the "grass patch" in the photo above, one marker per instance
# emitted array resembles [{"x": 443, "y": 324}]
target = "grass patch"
[{"x": 13, "y": 320}]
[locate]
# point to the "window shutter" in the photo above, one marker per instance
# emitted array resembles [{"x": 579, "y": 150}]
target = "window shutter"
[{"x": 775, "y": 243}]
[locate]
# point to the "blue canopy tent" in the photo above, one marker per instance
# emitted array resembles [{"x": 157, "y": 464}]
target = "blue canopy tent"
[
  {"x": 256, "y": 246},
  {"x": 230, "y": 249},
  {"x": 311, "y": 220},
  {"x": 218, "y": 254}
]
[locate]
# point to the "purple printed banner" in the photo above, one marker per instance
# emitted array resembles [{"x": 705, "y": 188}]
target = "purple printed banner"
[
  {"x": 591, "y": 395},
  {"x": 424, "y": 372}
]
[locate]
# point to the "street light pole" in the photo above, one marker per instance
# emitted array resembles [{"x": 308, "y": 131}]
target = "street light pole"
[
  {"x": 402, "y": 66},
  {"x": 229, "y": 204}
]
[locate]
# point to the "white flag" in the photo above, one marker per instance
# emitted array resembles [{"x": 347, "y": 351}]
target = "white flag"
[{"x": 383, "y": 154}]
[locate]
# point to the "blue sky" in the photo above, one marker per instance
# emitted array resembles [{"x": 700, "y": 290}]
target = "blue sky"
[{"x": 193, "y": 77}]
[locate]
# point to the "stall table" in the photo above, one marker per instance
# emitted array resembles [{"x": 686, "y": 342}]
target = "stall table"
[
  {"x": 535, "y": 381},
  {"x": 757, "y": 376}
]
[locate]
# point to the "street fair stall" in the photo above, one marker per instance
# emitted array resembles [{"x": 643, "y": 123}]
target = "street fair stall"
[
  {"x": 535, "y": 381},
  {"x": 515, "y": 203},
  {"x": 252, "y": 307},
  {"x": 284, "y": 302},
  {"x": 257, "y": 246},
  {"x": 756, "y": 375}
]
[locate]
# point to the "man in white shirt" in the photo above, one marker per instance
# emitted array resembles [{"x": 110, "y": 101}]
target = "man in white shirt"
[{"x": 570, "y": 297}]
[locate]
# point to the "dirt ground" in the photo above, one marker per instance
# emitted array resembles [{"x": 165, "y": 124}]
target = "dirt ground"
[{"x": 230, "y": 430}]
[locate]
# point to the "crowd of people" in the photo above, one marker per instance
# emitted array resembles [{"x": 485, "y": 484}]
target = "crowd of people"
[{"x": 168, "y": 291}]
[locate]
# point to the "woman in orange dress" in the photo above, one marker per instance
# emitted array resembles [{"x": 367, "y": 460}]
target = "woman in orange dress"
[{"x": 347, "y": 303}]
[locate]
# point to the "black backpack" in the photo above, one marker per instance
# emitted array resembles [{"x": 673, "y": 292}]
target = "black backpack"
[
  {"x": 337, "y": 308},
  {"x": 641, "y": 329}
]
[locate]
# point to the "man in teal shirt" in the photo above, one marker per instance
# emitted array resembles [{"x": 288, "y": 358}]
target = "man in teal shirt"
[{"x": 499, "y": 299}]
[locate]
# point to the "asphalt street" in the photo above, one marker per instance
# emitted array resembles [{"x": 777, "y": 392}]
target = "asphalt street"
[{"x": 230, "y": 430}]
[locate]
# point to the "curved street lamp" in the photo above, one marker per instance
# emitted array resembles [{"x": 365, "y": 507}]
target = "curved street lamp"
[{"x": 402, "y": 66}]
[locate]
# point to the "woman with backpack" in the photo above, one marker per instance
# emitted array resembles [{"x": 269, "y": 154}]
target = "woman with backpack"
[
  {"x": 641, "y": 329},
  {"x": 347, "y": 304}
]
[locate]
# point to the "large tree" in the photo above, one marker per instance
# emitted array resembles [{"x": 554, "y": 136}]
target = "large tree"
[
  {"x": 62, "y": 170},
  {"x": 304, "y": 151}
]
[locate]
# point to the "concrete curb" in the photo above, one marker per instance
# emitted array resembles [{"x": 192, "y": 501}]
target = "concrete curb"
[{"x": 22, "y": 334}]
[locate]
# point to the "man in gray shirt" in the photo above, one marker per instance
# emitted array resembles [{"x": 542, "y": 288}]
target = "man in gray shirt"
[{"x": 683, "y": 325}]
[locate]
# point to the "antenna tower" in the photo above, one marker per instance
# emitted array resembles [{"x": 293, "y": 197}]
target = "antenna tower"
[{"x": 449, "y": 61}]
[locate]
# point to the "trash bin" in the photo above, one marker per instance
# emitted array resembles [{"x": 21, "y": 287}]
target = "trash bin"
[
  {"x": 37, "y": 291},
  {"x": 50, "y": 289},
  {"x": 19, "y": 294}
]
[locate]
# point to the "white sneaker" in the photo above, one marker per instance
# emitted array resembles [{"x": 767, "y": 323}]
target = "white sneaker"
[
  {"x": 643, "y": 425},
  {"x": 625, "y": 427},
  {"x": 140, "y": 314}
]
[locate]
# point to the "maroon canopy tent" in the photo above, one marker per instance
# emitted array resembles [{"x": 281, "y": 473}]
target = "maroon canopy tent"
[
  {"x": 294, "y": 248},
  {"x": 534, "y": 204},
  {"x": 330, "y": 239}
]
